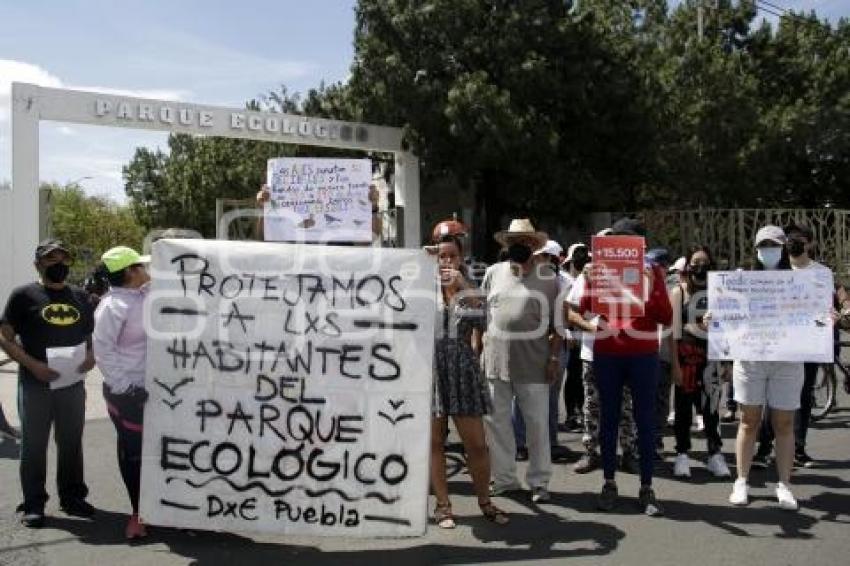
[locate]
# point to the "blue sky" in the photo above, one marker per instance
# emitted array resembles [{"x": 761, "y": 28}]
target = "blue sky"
[{"x": 210, "y": 51}]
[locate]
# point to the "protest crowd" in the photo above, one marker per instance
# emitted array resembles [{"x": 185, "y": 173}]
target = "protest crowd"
[{"x": 509, "y": 352}]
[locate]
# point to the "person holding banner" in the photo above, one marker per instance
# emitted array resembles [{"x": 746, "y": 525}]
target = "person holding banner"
[
  {"x": 625, "y": 352},
  {"x": 459, "y": 389},
  {"x": 800, "y": 247},
  {"x": 521, "y": 358},
  {"x": 120, "y": 345},
  {"x": 761, "y": 384},
  {"x": 697, "y": 381},
  {"x": 590, "y": 405}
]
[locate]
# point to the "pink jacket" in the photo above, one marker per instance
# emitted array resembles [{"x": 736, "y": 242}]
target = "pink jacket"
[{"x": 119, "y": 339}]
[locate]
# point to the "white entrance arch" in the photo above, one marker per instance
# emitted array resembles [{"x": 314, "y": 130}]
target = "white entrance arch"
[{"x": 19, "y": 207}]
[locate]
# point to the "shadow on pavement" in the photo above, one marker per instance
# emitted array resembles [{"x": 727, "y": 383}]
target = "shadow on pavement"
[
  {"x": 808, "y": 478},
  {"x": 733, "y": 520},
  {"x": 202, "y": 547},
  {"x": 529, "y": 537},
  {"x": 105, "y": 528},
  {"x": 832, "y": 505}
]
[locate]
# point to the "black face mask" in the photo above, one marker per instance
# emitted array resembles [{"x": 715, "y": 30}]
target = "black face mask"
[
  {"x": 580, "y": 262},
  {"x": 698, "y": 273},
  {"x": 57, "y": 273},
  {"x": 519, "y": 253},
  {"x": 796, "y": 248}
]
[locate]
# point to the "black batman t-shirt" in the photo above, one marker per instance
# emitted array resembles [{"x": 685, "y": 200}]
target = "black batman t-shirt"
[{"x": 47, "y": 318}]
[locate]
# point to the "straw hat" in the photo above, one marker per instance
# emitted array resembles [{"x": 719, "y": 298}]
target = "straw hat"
[{"x": 521, "y": 228}]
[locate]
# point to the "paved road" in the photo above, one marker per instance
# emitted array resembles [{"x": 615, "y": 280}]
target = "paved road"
[{"x": 700, "y": 526}]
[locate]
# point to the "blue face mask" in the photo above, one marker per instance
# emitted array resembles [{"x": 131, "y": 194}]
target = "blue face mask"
[{"x": 769, "y": 257}]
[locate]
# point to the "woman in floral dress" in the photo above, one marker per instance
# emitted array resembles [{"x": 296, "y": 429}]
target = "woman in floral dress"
[{"x": 459, "y": 389}]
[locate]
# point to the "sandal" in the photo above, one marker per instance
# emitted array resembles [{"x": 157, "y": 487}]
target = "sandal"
[
  {"x": 493, "y": 513},
  {"x": 443, "y": 516}
]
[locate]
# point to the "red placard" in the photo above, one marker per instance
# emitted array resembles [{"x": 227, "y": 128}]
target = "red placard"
[{"x": 617, "y": 281}]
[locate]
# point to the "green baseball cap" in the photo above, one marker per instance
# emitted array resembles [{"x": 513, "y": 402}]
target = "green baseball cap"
[{"x": 122, "y": 257}]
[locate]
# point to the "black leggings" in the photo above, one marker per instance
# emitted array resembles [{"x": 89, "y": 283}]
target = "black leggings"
[
  {"x": 685, "y": 403},
  {"x": 127, "y": 413},
  {"x": 574, "y": 385}
]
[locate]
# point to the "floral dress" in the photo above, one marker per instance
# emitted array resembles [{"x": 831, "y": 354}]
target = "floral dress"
[{"x": 459, "y": 388}]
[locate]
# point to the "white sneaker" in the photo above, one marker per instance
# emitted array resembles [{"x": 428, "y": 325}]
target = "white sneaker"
[
  {"x": 699, "y": 423},
  {"x": 717, "y": 466},
  {"x": 671, "y": 418},
  {"x": 739, "y": 495},
  {"x": 540, "y": 495},
  {"x": 785, "y": 497},
  {"x": 682, "y": 467}
]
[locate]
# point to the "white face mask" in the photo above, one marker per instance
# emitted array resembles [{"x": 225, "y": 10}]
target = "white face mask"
[{"x": 769, "y": 257}]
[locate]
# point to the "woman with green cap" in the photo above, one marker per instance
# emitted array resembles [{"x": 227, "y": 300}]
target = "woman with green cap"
[{"x": 120, "y": 344}]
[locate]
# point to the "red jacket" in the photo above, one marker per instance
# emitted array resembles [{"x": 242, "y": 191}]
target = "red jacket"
[{"x": 633, "y": 336}]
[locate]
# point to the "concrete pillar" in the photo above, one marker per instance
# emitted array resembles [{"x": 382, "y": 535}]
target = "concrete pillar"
[
  {"x": 20, "y": 235},
  {"x": 407, "y": 197}
]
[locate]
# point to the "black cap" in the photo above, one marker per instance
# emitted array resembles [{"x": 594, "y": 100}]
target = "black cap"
[
  {"x": 50, "y": 245},
  {"x": 628, "y": 227},
  {"x": 804, "y": 231}
]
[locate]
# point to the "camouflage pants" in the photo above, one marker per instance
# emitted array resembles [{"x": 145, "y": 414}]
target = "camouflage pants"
[{"x": 628, "y": 431}]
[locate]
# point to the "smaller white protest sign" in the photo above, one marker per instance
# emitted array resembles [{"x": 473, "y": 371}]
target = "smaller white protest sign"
[
  {"x": 318, "y": 200},
  {"x": 779, "y": 316}
]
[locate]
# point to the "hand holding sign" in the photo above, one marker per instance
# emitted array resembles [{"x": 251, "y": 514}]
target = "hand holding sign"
[
  {"x": 263, "y": 195},
  {"x": 318, "y": 200},
  {"x": 779, "y": 315},
  {"x": 42, "y": 372},
  {"x": 289, "y": 386},
  {"x": 618, "y": 283}
]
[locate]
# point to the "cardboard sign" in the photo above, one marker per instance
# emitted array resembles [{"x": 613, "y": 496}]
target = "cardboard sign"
[
  {"x": 777, "y": 316},
  {"x": 318, "y": 200},
  {"x": 289, "y": 388},
  {"x": 617, "y": 273}
]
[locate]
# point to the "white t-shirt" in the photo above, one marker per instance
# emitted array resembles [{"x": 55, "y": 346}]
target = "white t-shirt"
[
  {"x": 567, "y": 280},
  {"x": 812, "y": 265},
  {"x": 575, "y": 294}
]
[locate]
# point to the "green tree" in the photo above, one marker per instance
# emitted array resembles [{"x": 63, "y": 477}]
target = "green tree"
[
  {"x": 709, "y": 118},
  {"x": 548, "y": 111},
  {"x": 538, "y": 111},
  {"x": 90, "y": 225},
  {"x": 803, "y": 73},
  {"x": 179, "y": 189}
]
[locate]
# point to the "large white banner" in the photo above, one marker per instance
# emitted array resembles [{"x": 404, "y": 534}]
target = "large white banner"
[
  {"x": 290, "y": 388},
  {"x": 782, "y": 316},
  {"x": 318, "y": 200}
]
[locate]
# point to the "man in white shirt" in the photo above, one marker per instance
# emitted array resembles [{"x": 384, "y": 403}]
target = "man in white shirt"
[
  {"x": 578, "y": 256},
  {"x": 548, "y": 259}
]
